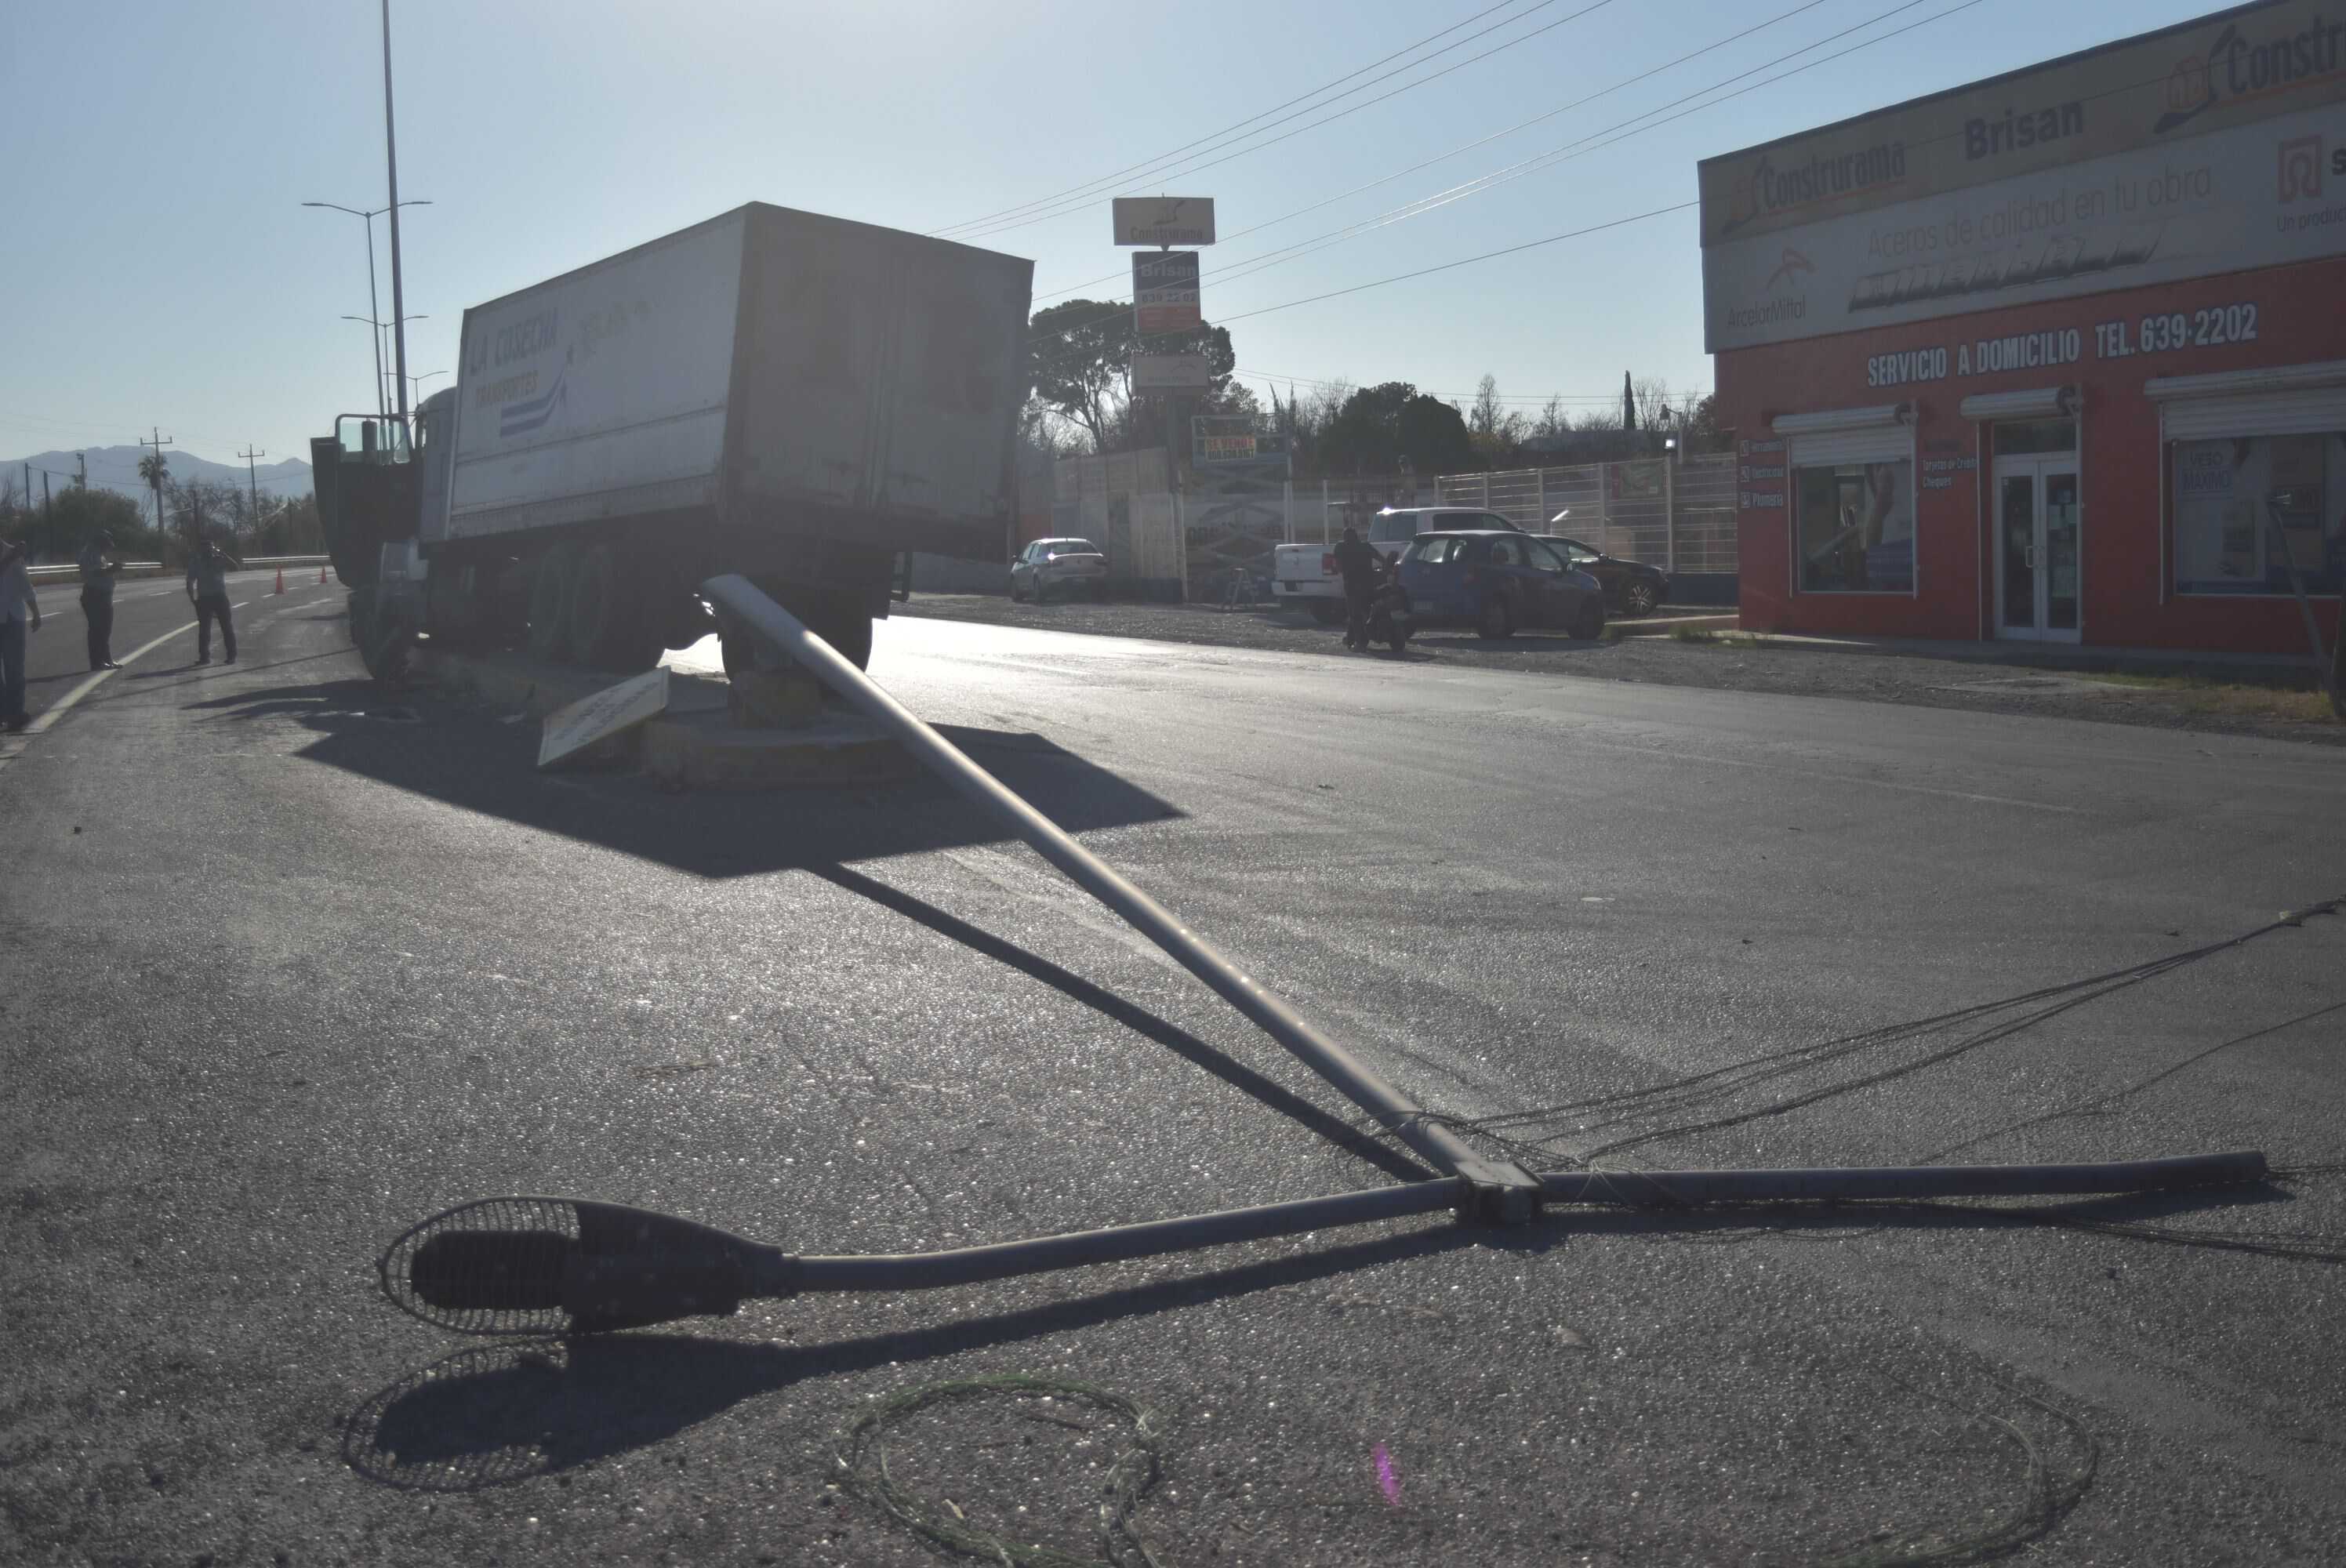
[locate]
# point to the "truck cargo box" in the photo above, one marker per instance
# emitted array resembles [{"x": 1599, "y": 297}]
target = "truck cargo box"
[{"x": 762, "y": 379}]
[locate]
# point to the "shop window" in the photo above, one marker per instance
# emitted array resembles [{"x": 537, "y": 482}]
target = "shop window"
[
  {"x": 2240, "y": 502},
  {"x": 1856, "y": 524}
]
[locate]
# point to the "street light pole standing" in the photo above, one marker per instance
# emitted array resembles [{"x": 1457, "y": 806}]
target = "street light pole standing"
[
  {"x": 375, "y": 311},
  {"x": 390, "y": 164}
]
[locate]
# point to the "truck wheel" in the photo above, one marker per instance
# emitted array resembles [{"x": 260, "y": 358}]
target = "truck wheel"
[
  {"x": 1327, "y": 612},
  {"x": 849, "y": 631},
  {"x": 606, "y": 617},
  {"x": 549, "y": 602},
  {"x": 1589, "y": 624},
  {"x": 1640, "y": 598}
]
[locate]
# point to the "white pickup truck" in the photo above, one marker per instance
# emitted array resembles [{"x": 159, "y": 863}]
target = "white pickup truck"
[{"x": 1306, "y": 574}]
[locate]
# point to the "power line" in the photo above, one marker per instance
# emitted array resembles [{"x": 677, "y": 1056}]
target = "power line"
[
  {"x": 1195, "y": 168},
  {"x": 1226, "y": 130},
  {"x": 1483, "y": 141},
  {"x": 1578, "y": 148},
  {"x": 1259, "y": 264},
  {"x": 1463, "y": 261}
]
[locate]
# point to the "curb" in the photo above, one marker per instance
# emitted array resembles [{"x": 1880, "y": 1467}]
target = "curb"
[{"x": 694, "y": 745}]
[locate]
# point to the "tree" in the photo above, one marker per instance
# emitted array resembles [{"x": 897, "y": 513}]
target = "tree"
[
  {"x": 155, "y": 469},
  {"x": 1081, "y": 356},
  {"x": 1380, "y": 426},
  {"x": 1703, "y": 432},
  {"x": 1494, "y": 430},
  {"x": 1551, "y": 421}
]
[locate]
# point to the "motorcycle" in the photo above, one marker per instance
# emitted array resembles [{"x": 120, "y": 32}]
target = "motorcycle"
[{"x": 1389, "y": 618}]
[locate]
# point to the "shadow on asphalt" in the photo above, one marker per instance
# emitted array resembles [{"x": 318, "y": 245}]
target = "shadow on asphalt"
[
  {"x": 1180, "y": 1042},
  {"x": 498, "y": 1414},
  {"x": 1530, "y": 644},
  {"x": 469, "y": 758},
  {"x": 508, "y": 1412}
]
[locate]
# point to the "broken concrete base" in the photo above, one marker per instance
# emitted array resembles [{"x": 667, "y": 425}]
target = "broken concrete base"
[{"x": 696, "y": 744}]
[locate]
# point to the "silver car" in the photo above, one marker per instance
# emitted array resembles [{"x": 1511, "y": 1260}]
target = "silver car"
[{"x": 1069, "y": 565}]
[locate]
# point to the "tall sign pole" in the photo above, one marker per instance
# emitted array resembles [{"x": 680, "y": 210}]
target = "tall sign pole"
[{"x": 390, "y": 163}]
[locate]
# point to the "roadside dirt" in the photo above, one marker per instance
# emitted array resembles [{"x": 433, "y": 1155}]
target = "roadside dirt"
[{"x": 1727, "y": 666}]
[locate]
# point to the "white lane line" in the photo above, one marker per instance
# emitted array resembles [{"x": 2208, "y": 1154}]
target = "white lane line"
[{"x": 57, "y": 709}]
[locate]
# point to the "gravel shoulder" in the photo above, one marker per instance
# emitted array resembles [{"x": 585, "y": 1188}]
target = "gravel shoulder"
[{"x": 1730, "y": 664}]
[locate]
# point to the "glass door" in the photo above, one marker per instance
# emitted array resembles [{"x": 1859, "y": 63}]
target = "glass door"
[{"x": 2038, "y": 531}]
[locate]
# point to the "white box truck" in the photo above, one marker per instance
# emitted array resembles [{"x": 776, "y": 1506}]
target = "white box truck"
[{"x": 799, "y": 399}]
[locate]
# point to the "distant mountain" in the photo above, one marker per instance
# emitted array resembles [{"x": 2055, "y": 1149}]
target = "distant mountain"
[{"x": 116, "y": 468}]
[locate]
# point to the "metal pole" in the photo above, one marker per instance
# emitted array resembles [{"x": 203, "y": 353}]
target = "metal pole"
[
  {"x": 1670, "y": 516},
  {"x": 1511, "y": 1189},
  {"x": 374, "y": 316},
  {"x": 390, "y": 164},
  {"x": 1628, "y": 1189}
]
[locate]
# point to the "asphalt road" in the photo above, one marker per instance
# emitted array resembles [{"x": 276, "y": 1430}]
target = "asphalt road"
[
  {"x": 57, "y": 658},
  {"x": 286, "y": 964}
]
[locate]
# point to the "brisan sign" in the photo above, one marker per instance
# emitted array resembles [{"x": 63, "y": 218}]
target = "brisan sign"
[
  {"x": 2253, "y": 63},
  {"x": 1164, "y": 219},
  {"x": 1164, "y": 293},
  {"x": 2259, "y": 194}
]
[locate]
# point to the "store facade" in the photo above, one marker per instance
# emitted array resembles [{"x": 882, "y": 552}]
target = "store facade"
[{"x": 2059, "y": 356}]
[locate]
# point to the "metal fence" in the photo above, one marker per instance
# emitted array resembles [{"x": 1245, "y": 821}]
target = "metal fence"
[{"x": 1678, "y": 515}]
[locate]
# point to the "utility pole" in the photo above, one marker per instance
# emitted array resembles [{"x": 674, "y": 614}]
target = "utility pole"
[
  {"x": 252, "y": 485},
  {"x": 81, "y": 471},
  {"x": 391, "y": 165},
  {"x": 48, "y": 508},
  {"x": 159, "y": 444}
]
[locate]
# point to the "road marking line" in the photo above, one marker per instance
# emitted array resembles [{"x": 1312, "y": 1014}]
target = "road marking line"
[{"x": 57, "y": 709}]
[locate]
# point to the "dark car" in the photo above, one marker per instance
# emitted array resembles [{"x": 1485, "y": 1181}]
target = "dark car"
[
  {"x": 1630, "y": 586},
  {"x": 1498, "y": 583}
]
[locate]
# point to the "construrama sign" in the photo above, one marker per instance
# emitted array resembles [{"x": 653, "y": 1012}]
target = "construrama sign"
[{"x": 2089, "y": 174}]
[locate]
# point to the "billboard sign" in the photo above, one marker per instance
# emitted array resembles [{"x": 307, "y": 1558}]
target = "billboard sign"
[
  {"x": 1170, "y": 372},
  {"x": 1221, "y": 437},
  {"x": 2151, "y": 95},
  {"x": 2262, "y": 194},
  {"x": 1163, "y": 220},
  {"x": 1164, "y": 293}
]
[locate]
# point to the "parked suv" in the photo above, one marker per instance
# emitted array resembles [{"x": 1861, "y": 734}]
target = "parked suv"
[
  {"x": 1498, "y": 583},
  {"x": 1067, "y": 564}
]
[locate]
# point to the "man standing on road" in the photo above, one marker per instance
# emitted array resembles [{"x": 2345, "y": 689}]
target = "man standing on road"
[
  {"x": 1362, "y": 567},
  {"x": 20, "y": 613},
  {"x": 97, "y": 599},
  {"x": 208, "y": 569}
]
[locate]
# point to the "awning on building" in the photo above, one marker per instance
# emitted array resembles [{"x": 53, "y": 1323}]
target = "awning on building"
[
  {"x": 1880, "y": 433},
  {"x": 2285, "y": 400}
]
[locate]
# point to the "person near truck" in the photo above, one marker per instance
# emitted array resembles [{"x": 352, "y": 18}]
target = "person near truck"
[
  {"x": 208, "y": 569},
  {"x": 98, "y": 575},
  {"x": 1360, "y": 566},
  {"x": 20, "y": 615}
]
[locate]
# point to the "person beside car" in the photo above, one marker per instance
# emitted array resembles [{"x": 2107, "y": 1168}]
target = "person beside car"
[{"x": 1362, "y": 567}]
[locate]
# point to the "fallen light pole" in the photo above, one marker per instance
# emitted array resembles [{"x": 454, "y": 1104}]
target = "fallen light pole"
[{"x": 556, "y": 1264}]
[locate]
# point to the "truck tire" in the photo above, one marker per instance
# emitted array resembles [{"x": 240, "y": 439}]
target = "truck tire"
[
  {"x": 1328, "y": 612},
  {"x": 608, "y": 618},
  {"x": 1589, "y": 624},
  {"x": 845, "y": 627},
  {"x": 549, "y": 602}
]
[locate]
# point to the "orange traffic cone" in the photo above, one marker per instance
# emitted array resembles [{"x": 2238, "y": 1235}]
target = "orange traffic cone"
[
  {"x": 322, "y": 576},
  {"x": 281, "y": 579}
]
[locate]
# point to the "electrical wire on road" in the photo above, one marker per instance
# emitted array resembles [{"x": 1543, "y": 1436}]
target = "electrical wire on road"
[{"x": 2011, "y": 1015}]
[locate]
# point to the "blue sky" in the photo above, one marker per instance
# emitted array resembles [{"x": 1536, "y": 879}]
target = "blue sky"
[{"x": 160, "y": 268}]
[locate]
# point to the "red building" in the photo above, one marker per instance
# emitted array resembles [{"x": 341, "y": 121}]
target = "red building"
[{"x": 2060, "y": 355}]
